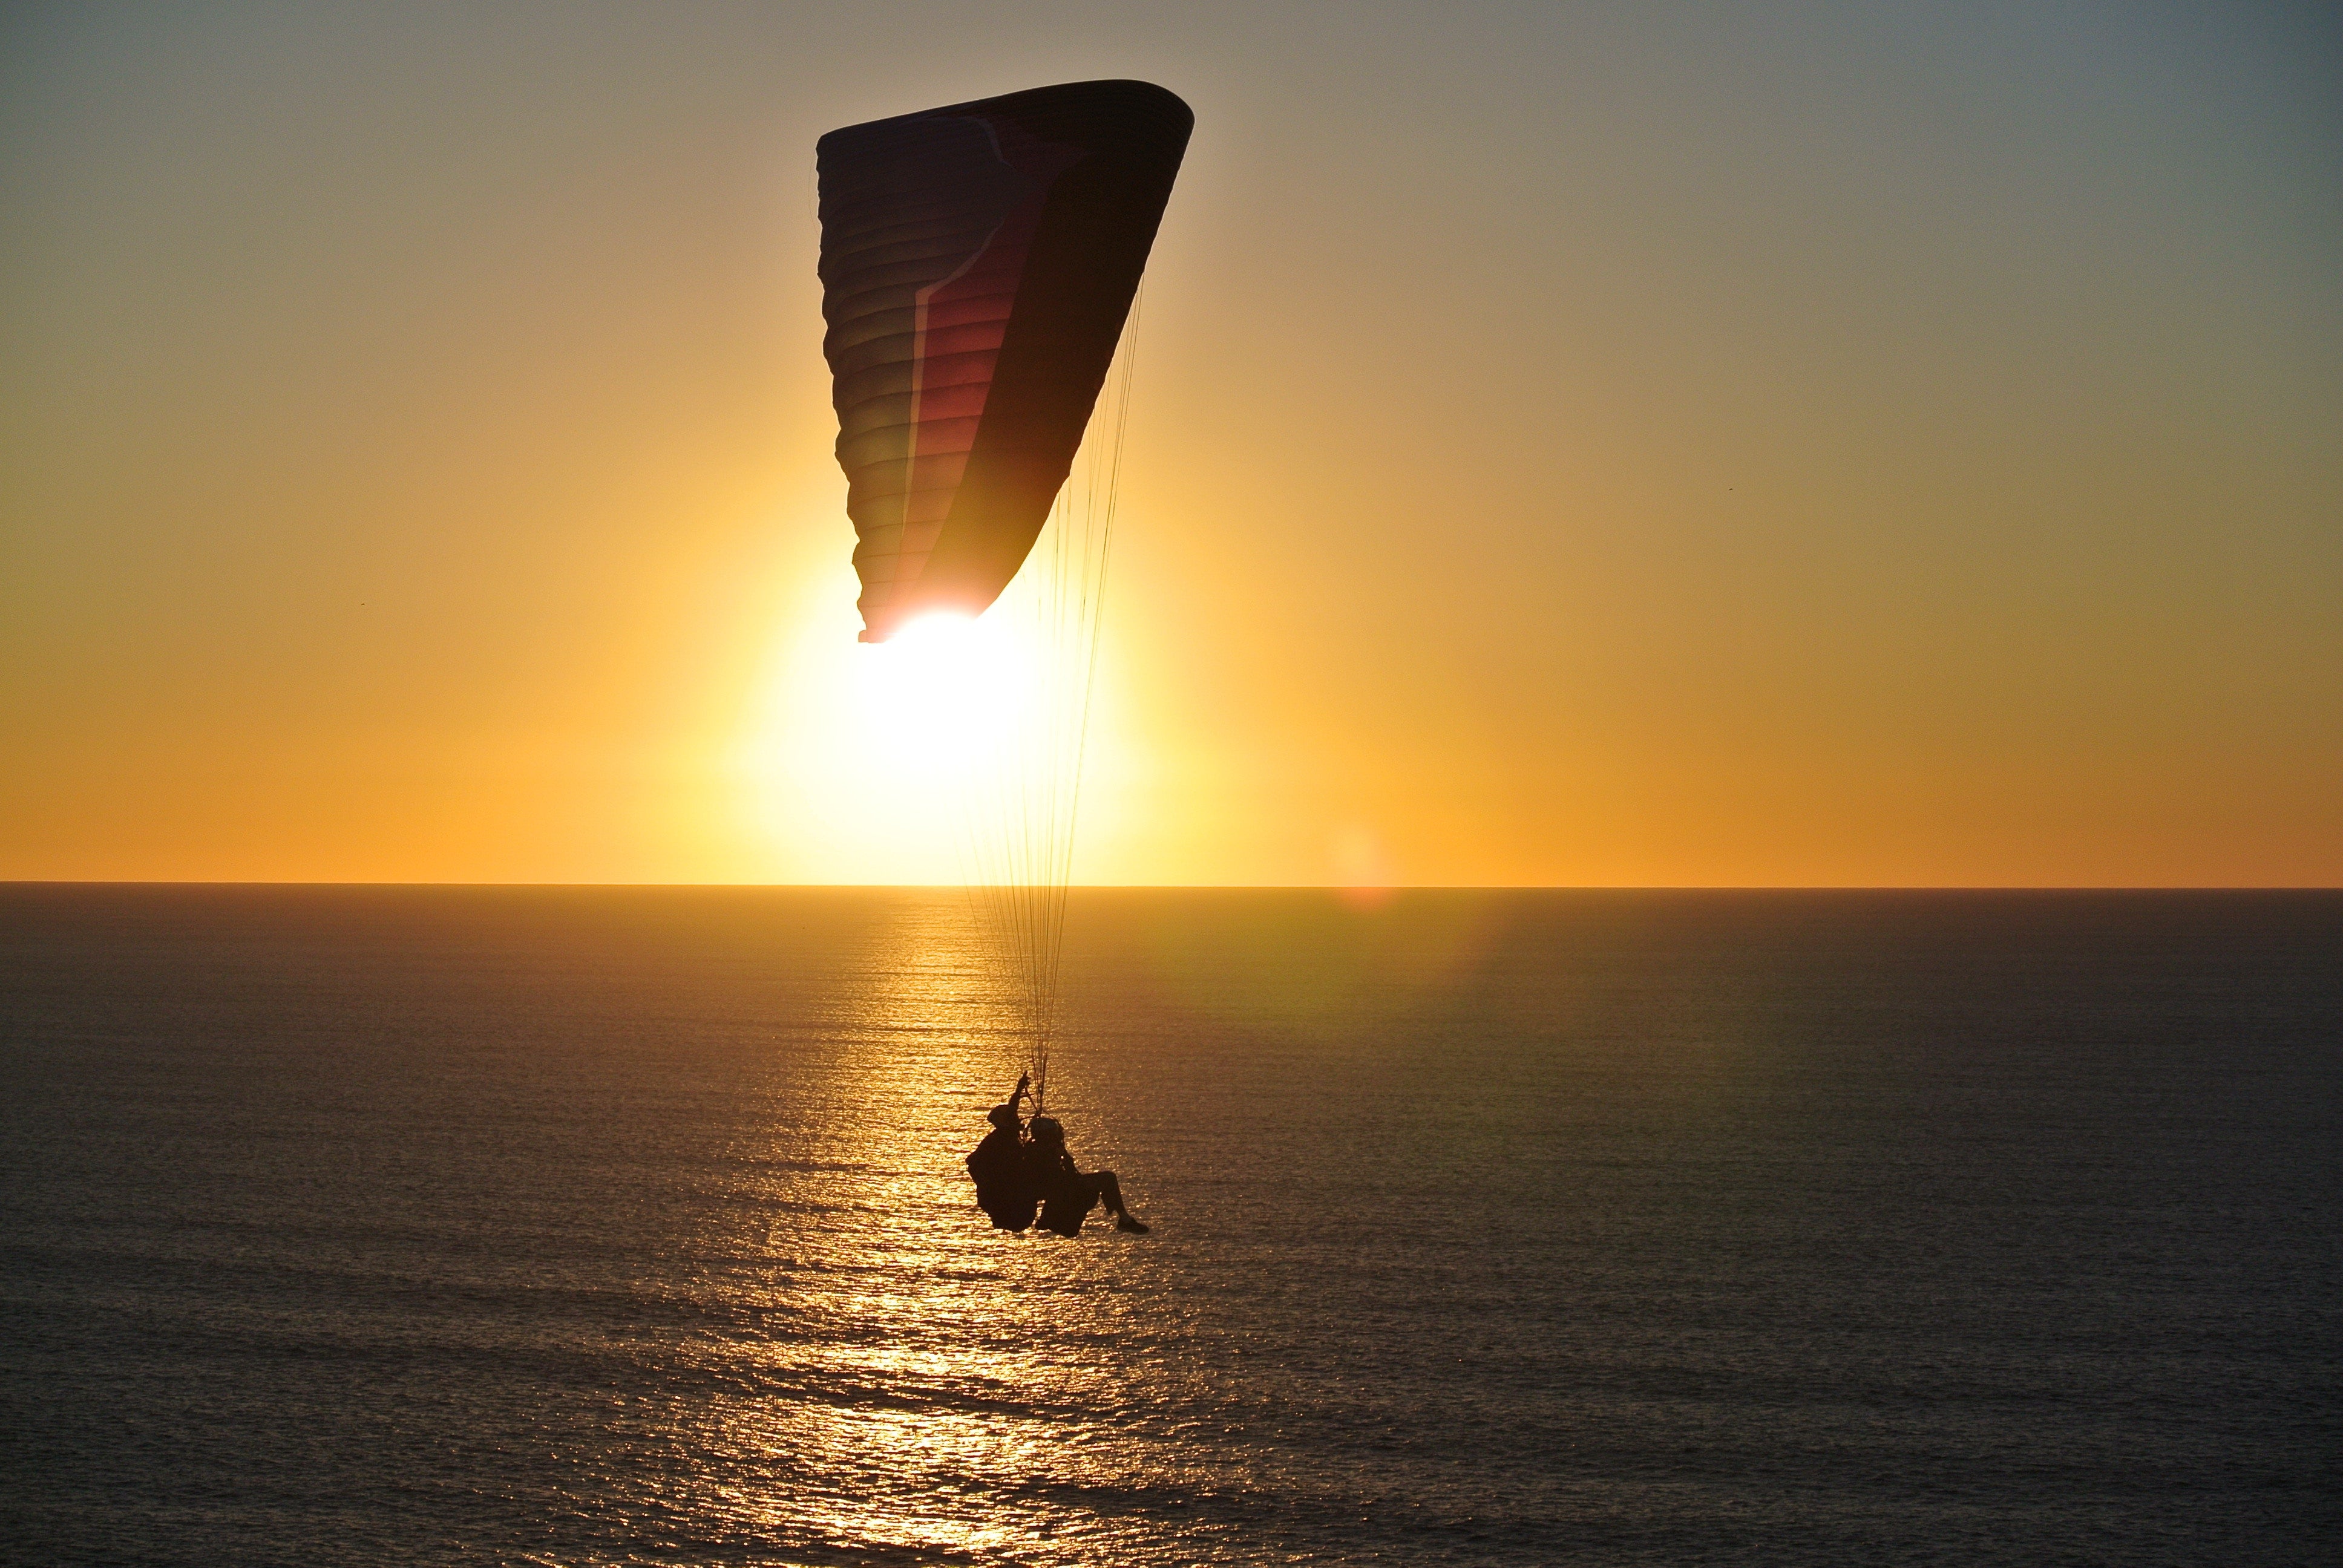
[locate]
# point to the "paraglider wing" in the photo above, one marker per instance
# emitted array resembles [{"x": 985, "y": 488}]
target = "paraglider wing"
[{"x": 977, "y": 264}]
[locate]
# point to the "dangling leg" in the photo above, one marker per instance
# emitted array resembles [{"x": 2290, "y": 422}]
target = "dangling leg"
[{"x": 1111, "y": 1192}]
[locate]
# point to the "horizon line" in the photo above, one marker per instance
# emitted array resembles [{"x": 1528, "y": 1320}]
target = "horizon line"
[{"x": 1351, "y": 889}]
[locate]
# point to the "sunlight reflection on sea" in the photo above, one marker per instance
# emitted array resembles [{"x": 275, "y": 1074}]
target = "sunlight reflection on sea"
[{"x": 578, "y": 1226}]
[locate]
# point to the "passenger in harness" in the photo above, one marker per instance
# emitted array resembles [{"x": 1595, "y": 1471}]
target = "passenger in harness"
[{"x": 1067, "y": 1195}]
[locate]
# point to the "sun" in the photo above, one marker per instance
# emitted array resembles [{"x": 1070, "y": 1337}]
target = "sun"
[
  {"x": 873, "y": 762},
  {"x": 908, "y": 761},
  {"x": 949, "y": 693}
]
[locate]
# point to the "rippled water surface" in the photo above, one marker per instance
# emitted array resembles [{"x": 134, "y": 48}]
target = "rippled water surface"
[{"x": 576, "y": 1226}]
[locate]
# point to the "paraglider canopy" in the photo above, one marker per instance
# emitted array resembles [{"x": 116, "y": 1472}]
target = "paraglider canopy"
[{"x": 978, "y": 262}]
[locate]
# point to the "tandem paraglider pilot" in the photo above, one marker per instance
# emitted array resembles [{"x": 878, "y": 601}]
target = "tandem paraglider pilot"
[
  {"x": 1004, "y": 1184},
  {"x": 1019, "y": 1176}
]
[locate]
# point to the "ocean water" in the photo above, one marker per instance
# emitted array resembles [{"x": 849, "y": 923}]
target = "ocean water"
[{"x": 626, "y": 1226}]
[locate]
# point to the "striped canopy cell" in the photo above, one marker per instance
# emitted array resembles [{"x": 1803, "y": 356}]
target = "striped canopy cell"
[{"x": 977, "y": 264}]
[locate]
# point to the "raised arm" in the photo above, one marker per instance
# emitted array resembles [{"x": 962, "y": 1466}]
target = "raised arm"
[{"x": 1009, "y": 1105}]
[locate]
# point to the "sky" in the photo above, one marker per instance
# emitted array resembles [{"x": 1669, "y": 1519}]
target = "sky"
[{"x": 1654, "y": 445}]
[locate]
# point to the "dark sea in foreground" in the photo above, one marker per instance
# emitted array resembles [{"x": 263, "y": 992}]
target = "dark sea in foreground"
[{"x": 578, "y": 1226}]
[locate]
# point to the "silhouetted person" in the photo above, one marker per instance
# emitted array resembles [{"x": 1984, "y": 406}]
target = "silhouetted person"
[
  {"x": 1003, "y": 1171},
  {"x": 1067, "y": 1195}
]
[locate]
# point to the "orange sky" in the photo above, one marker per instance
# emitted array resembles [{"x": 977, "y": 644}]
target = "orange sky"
[{"x": 1644, "y": 446}]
